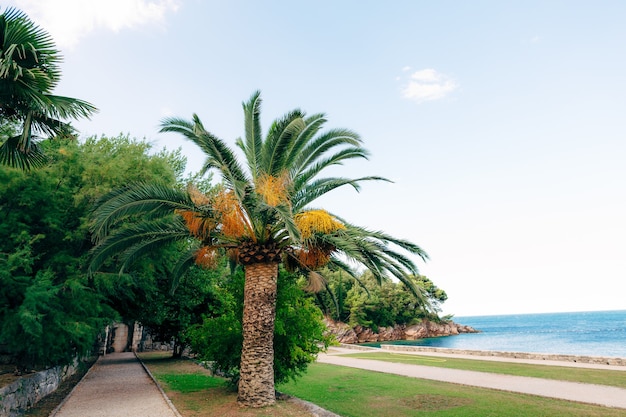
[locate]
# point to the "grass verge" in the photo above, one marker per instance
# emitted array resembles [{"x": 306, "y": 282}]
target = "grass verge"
[
  {"x": 589, "y": 376},
  {"x": 196, "y": 392},
  {"x": 358, "y": 393}
]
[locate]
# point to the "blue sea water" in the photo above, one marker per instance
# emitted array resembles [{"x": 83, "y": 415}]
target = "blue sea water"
[{"x": 596, "y": 333}]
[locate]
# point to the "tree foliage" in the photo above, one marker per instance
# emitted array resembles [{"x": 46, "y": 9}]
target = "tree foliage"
[
  {"x": 49, "y": 310},
  {"x": 299, "y": 333},
  {"x": 29, "y": 72},
  {"x": 169, "y": 315},
  {"x": 366, "y": 303}
]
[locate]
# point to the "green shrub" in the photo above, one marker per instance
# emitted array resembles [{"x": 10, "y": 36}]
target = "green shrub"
[{"x": 298, "y": 335}]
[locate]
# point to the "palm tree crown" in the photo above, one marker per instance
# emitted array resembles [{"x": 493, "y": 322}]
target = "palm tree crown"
[
  {"x": 29, "y": 72},
  {"x": 268, "y": 204}
]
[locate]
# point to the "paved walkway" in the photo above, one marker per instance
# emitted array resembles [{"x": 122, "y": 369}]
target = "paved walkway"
[
  {"x": 116, "y": 386},
  {"x": 572, "y": 391}
]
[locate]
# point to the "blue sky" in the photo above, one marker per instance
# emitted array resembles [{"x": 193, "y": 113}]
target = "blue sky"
[{"x": 501, "y": 123}]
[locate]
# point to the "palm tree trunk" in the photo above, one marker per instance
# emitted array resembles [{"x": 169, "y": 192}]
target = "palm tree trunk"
[{"x": 256, "y": 383}]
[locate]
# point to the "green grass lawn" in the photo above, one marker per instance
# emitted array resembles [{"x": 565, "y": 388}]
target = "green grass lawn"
[
  {"x": 358, "y": 393},
  {"x": 590, "y": 376},
  {"x": 197, "y": 393}
]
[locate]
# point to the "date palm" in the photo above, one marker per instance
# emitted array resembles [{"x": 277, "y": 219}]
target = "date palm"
[
  {"x": 262, "y": 217},
  {"x": 29, "y": 72}
]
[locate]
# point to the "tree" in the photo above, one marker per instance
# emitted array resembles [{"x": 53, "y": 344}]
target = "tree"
[
  {"x": 168, "y": 315},
  {"x": 49, "y": 310},
  {"x": 373, "y": 306},
  {"x": 262, "y": 217},
  {"x": 29, "y": 72}
]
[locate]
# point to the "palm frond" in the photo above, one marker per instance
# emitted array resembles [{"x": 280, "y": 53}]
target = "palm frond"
[
  {"x": 148, "y": 240},
  {"x": 253, "y": 144},
  {"x": 11, "y": 154},
  {"x": 219, "y": 155},
  {"x": 25, "y": 47},
  {"x": 385, "y": 237},
  {"x": 185, "y": 261},
  {"x": 337, "y": 264},
  {"x": 286, "y": 222},
  {"x": 313, "y": 124},
  {"x": 279, "y": 139},
  {"x": 373, "y": 250},
  {"x": 304, "y": 177},
  {"x": 313, "y": 190},
  {"x": 138, "y": 199},
  {"x": 317, "y": 147},
  {"x": 135, "y": 240},
  {"x": 61, "y": 107}
]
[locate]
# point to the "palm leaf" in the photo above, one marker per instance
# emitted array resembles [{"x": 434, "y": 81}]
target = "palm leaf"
[
  {"x": 148, "y": 240},
  {"x": 151, "y": 200},
  {"x": 320, "y": 145},
  {"x": 278, "y": 141},
  {"x": 219, "y": 155},
  {"x": 135, "y": 240},
  {"x": 312, "y": 126},
  {"x": 253, "y": 145},
  {"x": 312, "y": 191},
  {"x": 185, "y": 261},
  {"x": 11, "y": 155},
  {"x": 61, "y": 107}
]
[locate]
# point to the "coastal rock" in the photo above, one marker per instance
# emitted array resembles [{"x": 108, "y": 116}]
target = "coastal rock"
[
  {"x": 416, "y": 331},
  {"x": 365, "y": 334},
  {"x": 359, "y": 334},
  {"x": 343, "y": 333}
]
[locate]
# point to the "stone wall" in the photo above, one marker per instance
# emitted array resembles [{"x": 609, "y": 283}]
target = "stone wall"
[
  {"x": 516, "y": 355},
  {"x": 26, "y": 391}
]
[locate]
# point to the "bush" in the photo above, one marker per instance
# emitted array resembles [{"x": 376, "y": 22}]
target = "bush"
[{"x": 298, "y": 335}]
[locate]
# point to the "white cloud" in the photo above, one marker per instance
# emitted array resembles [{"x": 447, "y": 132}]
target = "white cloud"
[
  {"x": 427, "y": 85},
  {"x": 68, "y": 21}
]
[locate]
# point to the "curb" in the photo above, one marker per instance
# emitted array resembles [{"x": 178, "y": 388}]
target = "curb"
[
  {"x": 165, "y": 397},
  {"x": 314, "y": 409}
]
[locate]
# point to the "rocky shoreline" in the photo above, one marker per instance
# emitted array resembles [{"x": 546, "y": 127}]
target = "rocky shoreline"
[{"x": 344, "y": 333}]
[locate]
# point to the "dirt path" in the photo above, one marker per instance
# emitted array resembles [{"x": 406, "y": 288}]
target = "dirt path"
[
  {"x": 116, "y": 386},
  {"x": 572, "y": 391}
]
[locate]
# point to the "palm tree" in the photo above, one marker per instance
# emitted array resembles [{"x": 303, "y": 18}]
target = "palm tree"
[
  {"x": 29, "y": 71},
  {"x": 262, "y": 217}
]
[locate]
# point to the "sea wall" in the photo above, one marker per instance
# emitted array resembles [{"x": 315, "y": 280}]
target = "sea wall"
[
  {"x": 27, "y": 391},
  {"x": 599, "y": 360},
  {"x": 359, "y": 334}
]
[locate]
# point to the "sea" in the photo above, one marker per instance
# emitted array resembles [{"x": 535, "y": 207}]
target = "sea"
[{"x": 592, "y": 333}]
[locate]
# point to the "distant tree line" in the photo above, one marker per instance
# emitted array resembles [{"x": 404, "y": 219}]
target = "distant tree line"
[{"x": 367, "y": 303}]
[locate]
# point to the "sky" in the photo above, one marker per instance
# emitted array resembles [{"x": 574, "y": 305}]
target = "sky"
[{"x": 501, "y": 124}]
